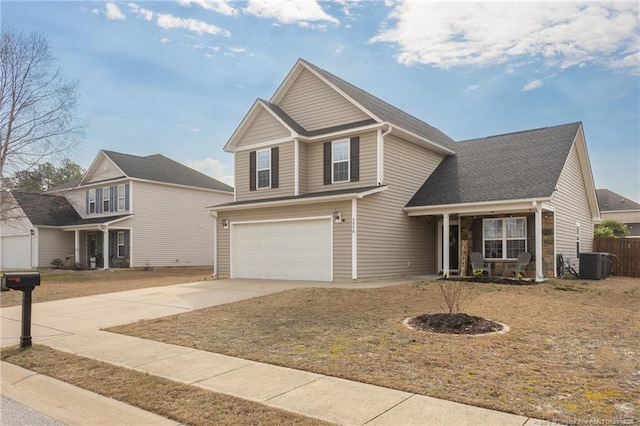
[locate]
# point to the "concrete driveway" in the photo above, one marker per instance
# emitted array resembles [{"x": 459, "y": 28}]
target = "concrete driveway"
[{"x": 84, "y": 314}]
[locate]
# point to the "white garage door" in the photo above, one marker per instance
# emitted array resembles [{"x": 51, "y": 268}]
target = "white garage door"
[
  {"x": 288, "y": 250},
  {"x": 15, "y": 251}
]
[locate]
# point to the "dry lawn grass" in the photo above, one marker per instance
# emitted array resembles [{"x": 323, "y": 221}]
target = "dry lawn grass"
[
  {"x": 573, "y": 352},
  {"x": 58, "y": 284},
  {"x": 186, "y": 404}
]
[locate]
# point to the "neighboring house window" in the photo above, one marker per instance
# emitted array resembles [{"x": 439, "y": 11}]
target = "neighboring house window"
[
  {"x": 340, "y": 161},
  {"x": 121, "y": 197},
  {"x": 504, "y": 238},
  {"x": 121, "y": 244},
  {"x": 106, "y": 195},
  {"x": 92, "y": 201},
  {"x": 263, "y": 168},
  {"x": 577, "y": 238}
]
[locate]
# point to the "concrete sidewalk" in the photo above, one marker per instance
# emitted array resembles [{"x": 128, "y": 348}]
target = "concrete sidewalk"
[{"x": 73, "y": 326}]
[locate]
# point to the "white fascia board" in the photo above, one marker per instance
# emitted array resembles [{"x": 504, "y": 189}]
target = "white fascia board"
[
  {"x": 412, "y": 137},
  {"x": 488, "y": 207},
  {"x": 94, "y": 225},
  {"x": 587, "y": 173},
  {"x": 295, "y": 201},
  {"x": 259, "y": 145},
  {"x": 342, "y": 133}
]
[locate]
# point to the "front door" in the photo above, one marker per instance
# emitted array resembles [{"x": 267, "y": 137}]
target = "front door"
[
  {"x": 453, "y": 246},
  {"x": 94, "y": 250}
]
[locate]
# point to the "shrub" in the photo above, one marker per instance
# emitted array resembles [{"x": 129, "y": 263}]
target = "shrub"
[
  {"x": 57, "y": 263},
  {"x": 453, "y": 294}
]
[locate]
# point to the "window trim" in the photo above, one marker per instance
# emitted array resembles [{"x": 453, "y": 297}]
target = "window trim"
[
  {"x": 577, "y": 231},
  {"x": 258, "y": 169},
  {"x": 123, "y": 198},
  {"x": 334, "y": 162},
  {"x": 118, "y": 245},
  {"x": 92, "y": 202},
  {"x": 106, "y": 199},
  {"x": 504, "y": 239}
]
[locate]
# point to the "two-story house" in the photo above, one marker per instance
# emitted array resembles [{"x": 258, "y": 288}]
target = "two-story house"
[
  {"x": 126, "y": 211},
  {"x": 333, "y": 183},
  {"x": 616, "y": 207}
]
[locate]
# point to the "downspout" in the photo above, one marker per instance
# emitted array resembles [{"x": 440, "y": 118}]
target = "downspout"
[
  {"x": 380, "y": 149},
  {"x": 214, "y": 215}
]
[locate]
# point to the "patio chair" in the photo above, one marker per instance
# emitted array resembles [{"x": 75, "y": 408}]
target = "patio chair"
[
  {"x": 477, "y": 263},
  {"x": 520, "y": 265}
]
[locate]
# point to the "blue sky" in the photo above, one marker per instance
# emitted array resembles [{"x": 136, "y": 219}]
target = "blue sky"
[{"x": 176, "y": 78}]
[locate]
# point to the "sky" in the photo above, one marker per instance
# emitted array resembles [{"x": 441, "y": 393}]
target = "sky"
[{"x": 178, "y": 77}]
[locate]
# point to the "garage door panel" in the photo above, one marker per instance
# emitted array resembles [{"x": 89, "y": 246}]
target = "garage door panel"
[
  {"x": 293, "y": 250},
  {"x": 15, "y": 252}
]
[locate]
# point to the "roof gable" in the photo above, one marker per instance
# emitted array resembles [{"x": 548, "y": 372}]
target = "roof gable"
[
  {"x": 610, "y": 201},
  {"x": 515, "y": 166}
]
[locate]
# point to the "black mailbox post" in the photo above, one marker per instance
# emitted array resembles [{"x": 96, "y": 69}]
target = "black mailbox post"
[{"x": 25, "y": 282}]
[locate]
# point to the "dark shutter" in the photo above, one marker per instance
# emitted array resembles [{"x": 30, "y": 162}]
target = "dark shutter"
[
  {"x": 252, "y": 171},
  {"x": 99, "y": 206},
  {"x": 113, "y": 198},
  {"x": 87, "y": 203},
  {"x": 477, "y": 236},
  {"x": 126, "y": 196},
  {"x": 531, "y": 235},
  {"x": 274, "y": 167},
  {"x": 327, "y": 163},
  {"x": 355, "y": 159}
]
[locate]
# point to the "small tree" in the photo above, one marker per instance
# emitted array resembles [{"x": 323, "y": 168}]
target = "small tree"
[
  {"x": 454, "y": 296},
  {"x": 611, "y": 229}
]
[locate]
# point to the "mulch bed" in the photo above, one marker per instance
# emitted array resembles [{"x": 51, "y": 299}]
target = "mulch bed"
[
  {"x": 454, "y": 324},
  {"x": 492, "y": 280}
]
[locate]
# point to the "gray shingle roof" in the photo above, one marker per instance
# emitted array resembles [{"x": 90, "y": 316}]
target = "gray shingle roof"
[
  {"x": 387, "y": 112},
  {"x": 610, "y": 201},
  {"x": 159, "y": 168},
  {"x": 45, "y": 209},
  {"x": 512, "y": 166}
]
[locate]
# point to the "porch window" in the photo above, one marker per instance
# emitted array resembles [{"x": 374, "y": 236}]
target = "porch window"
[
  {"x": 121, "y": 244},
  {"x": 121, "y": 197},
  {"x": 92, "y": 201},
  {"x": 504, "y": 238},
  {"x": 106, "y": 195},
  {"x": 264, "y": 168},
  {"x": 340, "y": 160}
]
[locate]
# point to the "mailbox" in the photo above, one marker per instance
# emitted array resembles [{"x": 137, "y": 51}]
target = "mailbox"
[{"x": 21, "y": 280}]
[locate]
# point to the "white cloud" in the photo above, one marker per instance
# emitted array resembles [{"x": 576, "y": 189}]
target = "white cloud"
[
  {"x": 168, "y": 21},
  {"x": 145, "y": 13},
  {"x": 218, "y": 6},
  {"x": 214, "y": 168},
  {"x": 189, "y": 128},
  {"x": 473, "y": 87},
  {"x": 112, "y": 12},
  {"x": 164, "y": 40},
  {"x": 300, "y": 12},
  {"x": 532, "y": 85},
  {"x": 567, "y": 34}
]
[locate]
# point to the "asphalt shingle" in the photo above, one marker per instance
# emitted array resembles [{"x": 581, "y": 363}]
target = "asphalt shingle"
[{"x": 46, "y": 209}]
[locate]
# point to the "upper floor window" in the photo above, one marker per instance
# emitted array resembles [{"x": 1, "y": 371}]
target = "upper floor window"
[
  {"x": 263, "y": 168},
  {"x": 121, "y": 197},
  {"x": 92, "y": 201},
  {"x": 340, "y": 160},
  {"x": 106, "y": 196},
  {"x": 504, "y": 238}
]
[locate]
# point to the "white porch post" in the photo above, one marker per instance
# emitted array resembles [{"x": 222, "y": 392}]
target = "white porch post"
[
  {"x": 445, "y": 245},
  {"x": 354, "y": 239},
  {"x": 105, "y": 248},
  {"x": 539, "y": 275},
  {"x": 76, "y": 246}
]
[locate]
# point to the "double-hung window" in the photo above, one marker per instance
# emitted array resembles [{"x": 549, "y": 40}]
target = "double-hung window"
[
  {"x": 121, "y": 197},
  {"x": 121, "y": 244},
  {"x": 263, "y": 169},
  {"x": 340, "y": 160},
  {"x": 92, "y": 201},
  {"x": 504, "y": 238},
  {"x": 106, "y": 194}
]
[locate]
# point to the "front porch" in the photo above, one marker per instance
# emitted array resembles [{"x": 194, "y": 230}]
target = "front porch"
[{"x": 102, "y": 245}]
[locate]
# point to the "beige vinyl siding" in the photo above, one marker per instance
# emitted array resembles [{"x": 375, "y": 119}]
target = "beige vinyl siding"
[
  {"x": 389, "y": 242},
  {"x": 572, "y": 206},
  {"x": 302, "y": 167},
  {"x": 104, "y": 170},
  {"x": 368, "y": 165},
  {"x": 314, "y": 105},
  {"x": 341, "y": 231},
  {"x": 285, "y": 175},
  {"x": 171, "y": 226},
  {"x": 52, "y": 244},
  {"x": 263, "y": 128},
  {"x": 78, "y": 199}
]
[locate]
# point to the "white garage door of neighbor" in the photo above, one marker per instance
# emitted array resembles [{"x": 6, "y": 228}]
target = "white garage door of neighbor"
[
  {"x": 288, "y": 250},
  {"x": 15, "y": 252}
]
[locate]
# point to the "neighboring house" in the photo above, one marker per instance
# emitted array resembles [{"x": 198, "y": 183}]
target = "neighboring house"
[
  {"x": 126, "y": 211},
  {"x": 616, "y": 207},
  {"x": 333, "y": 183}
]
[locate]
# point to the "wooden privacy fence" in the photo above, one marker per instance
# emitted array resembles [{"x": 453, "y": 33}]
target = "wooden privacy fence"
[{"x": 626, "y": 251}]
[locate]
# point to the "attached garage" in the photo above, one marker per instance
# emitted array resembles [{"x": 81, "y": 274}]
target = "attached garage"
[
  {"x": 15, "y": 251},
  {"x": 282, "y": 250}
]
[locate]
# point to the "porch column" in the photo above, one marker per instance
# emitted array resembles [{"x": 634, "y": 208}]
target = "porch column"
[
  {"x": 539, "y": 274},
  {"x": 445, "y": 245},
  {"x": 105, "y": 248},
  {"x": 76, "y": 246}
]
